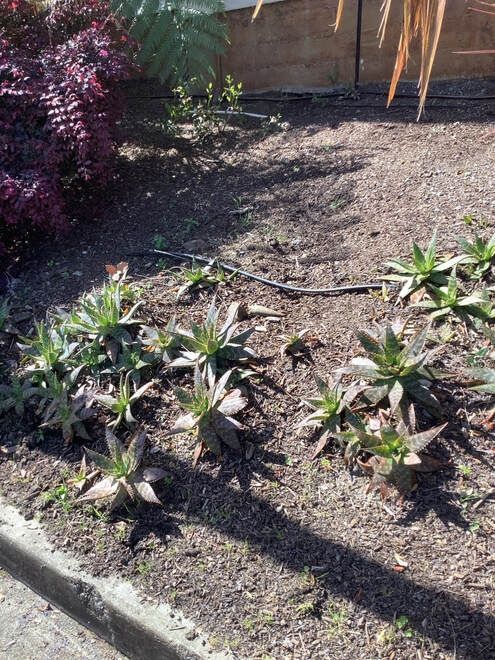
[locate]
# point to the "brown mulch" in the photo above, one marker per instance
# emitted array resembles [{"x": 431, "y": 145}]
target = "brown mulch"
[{"x": 278, "y": 556}]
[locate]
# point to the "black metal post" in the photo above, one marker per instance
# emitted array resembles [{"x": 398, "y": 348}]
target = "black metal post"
[{"x": 357, "y": 61}]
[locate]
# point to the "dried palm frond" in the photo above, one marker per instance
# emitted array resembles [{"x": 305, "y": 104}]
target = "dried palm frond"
[
  {"x": 421, "y": 19},
  {"x": 485, "y": 8}
]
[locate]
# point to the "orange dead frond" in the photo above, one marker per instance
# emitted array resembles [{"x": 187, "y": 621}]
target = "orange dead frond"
[
  {"x": 338, "y": 18},
  {"x": 256, "y": 9}
]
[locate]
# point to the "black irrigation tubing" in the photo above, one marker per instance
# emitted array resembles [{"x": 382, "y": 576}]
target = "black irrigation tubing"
[
  {"x": 349, "y": 288},
  {"x": 444, "y": 97},
  {"x": 324, "y": 95}
]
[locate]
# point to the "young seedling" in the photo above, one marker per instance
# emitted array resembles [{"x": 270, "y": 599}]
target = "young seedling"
[
  {"x": 293, "y": 344},
  {"x": 394, "y": 370},
  {"x": 209, "y": 414},
  {"x": 198, "y": 277},
  {"x": 480, "y": 254},
  {"x": 330, "y": 410},
  {"x": 212, "y": 349},
  {"x": 161, "y": 343},
  {"x": 449, "y": 299},
  {"x": 121, "y": 404},
  {"x": 124, "y": 476},
  {"x": 82, "y": 477},
  {"x": 424, "y": 269}
]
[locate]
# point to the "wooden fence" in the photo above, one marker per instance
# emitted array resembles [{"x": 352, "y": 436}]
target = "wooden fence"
[{"x": 292, "y": 44}]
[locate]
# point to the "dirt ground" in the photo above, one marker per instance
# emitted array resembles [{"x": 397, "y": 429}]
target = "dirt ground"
[{"x": 278, "y": 556}]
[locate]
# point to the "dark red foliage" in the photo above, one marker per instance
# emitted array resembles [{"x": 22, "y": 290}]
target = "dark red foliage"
[{"x": 58, "y": 75}]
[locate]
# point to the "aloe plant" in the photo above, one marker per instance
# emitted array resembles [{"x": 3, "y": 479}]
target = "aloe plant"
[
  {"x": 51, "y": 385},
  {"x": 69, "y": 414},
  {"x": 395, "y": 453},
  {"x": 91, "y": 356},
  {"x": 450, "y": 299},
  {"x": 483, "y": 376},
  {"x": 212, "y": 349},
  {"x": 162, "y": 343},
  {"x": 124, "y": 475},
  {"x": 479, "y": 253},
  {"x": 394, "y": 370},
  {"x": 200, "y": 277},
  {"x": 424, "y": 268},
  {"x": 293, "y": 344},
  {"x": 49, "y": 349},
  {"x": 132, "y": 360},
  {"x": 121, "y": 404},
  {"x": 209, "y": 414},
  {"x": 100, "y": 316},
  {"x": 330, "y": 411}
]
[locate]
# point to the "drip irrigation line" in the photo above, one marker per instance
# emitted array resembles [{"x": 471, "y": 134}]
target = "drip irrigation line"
[
  {"x": 324, "y": 95},
  {"x": 349, "y": 288},
  {"x": 444, "y": 97}
]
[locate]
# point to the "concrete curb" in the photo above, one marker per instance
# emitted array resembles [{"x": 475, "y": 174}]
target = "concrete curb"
[{"x": 110, "y": 608}]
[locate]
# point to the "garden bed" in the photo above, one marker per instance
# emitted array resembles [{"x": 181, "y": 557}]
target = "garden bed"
[{"x": 269, "y": 552}]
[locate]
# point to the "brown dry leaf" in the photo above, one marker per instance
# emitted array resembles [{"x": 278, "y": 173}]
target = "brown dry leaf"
[
  {"x": 417, "y": 296},
  {"x": 322, "y": 443},
  {"x": 400, "y": 563}
]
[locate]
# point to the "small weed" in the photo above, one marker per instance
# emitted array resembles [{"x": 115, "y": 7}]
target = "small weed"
[
  {"x": 474, "y": 527},
  {"x": 306, "y": 577},
  {"x": 467, "y": 498},
  {"x": 144, "y": 567},
  {"x": 190, "y": 224},
  {"x": 308, "y": 607},
  {"x": 337, "y": 204},
  {"x": 337, "y": 617},
  {"x": 161, "y": 264},
  {"x": 402, "y": 624},
  {"x": 249, "y": 624},
  {"x": 167, "y": 480},
  {"x": 267, "y": 618},
  {"x": 98, "y": 514},
  {"x": 471, "y": 220},
  {"x": 382, "y": 294},
  {"x": 121, "y": 532},
  {"x": 159, "y": 242},
  {"x": 59, "y": 496},
  {"x": 465, "y": 470},
  {"x": 386, "y": 636}
]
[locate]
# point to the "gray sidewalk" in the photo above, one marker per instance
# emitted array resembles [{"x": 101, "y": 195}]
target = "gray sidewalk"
[{"x": 30, "y": 629}]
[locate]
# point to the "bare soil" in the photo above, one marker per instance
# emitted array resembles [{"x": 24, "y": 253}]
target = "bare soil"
[{"x": 275, "y": 555}]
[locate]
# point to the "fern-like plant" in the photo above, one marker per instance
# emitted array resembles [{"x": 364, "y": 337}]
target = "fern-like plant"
[{"x": 177, "y": 39}]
